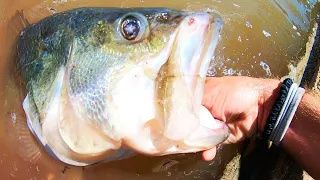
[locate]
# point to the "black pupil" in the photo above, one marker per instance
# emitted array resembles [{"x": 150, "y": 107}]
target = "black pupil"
[{"x": 130, "y": 28}]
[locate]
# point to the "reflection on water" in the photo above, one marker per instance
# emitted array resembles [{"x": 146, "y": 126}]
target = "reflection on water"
[{"x": 260, "y": 38}]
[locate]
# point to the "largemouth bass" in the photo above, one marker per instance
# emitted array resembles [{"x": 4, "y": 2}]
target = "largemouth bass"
[{"x": 102, "y": 83}]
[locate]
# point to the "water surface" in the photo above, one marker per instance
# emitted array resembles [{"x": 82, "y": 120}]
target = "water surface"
[{"x": 261, "y": 38}]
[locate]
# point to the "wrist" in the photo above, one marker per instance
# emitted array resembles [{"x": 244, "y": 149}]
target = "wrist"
[{"x": 268, "y": 93}]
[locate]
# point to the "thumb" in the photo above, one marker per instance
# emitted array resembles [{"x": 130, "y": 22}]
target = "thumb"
[{"x": 209, "y": 155}]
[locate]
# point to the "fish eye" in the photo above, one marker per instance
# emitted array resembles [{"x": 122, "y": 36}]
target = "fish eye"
[{"x": 130, "y": 27}]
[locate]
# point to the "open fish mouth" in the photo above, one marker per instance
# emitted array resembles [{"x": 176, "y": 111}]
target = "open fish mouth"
[
  {"x": 181, "y": 124},
  {"x": 113, "y": 96}
]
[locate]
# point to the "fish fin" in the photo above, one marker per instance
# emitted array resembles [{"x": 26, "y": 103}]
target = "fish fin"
[
  {"x": 23, "y": 21},
  {"x": 14, "y": 28},
  {"x": 16, "y": 24},
  {"x": 20, "y": 137}
]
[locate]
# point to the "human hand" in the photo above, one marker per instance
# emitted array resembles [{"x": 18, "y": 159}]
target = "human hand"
[{"x": 242, "y": 102}]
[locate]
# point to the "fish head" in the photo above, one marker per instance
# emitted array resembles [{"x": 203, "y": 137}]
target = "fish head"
[{"x": 104, "y": 80}]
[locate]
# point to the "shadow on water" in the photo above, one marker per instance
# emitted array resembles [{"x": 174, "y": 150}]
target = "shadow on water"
[{"x": 260, "y": 38}]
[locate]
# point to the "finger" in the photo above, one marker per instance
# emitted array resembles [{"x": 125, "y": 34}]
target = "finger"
[
  {"x": 208, "y": 155},
  {"x": 209, "y": 132}
]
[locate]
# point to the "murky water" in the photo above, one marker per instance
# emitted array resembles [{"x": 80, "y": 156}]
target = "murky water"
[{"x": 261, "y": 38}]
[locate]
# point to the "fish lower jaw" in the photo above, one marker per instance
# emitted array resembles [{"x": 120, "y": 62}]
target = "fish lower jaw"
[{"x": 209, "y": 133}]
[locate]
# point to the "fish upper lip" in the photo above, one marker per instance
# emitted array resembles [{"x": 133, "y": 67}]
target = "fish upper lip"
[{"x": 216, "y": 18}]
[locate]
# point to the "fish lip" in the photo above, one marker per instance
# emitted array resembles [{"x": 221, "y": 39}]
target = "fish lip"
[
  {"x": 195, "y": 46},
  {"x": 219, "y": 22},
  {"x": 216, "y": 22},
  {"x": 216, "y": 27},
  {"x": 210, "y": 40}
]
